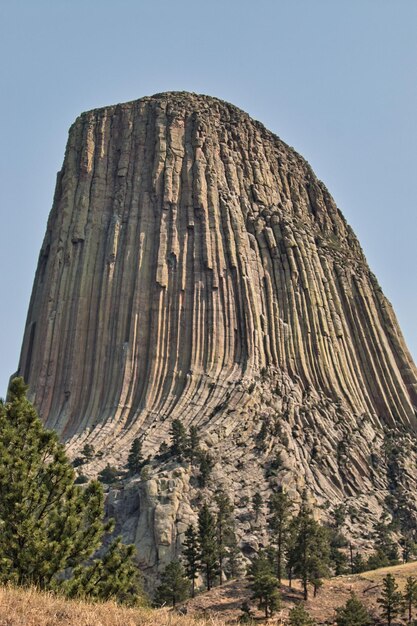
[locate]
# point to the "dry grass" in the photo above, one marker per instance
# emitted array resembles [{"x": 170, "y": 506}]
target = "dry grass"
[
  {"x": 218, "y": 607},
  {"x": 31, "y": 608}
]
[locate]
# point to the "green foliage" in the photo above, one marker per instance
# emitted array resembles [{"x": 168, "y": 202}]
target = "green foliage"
[
  {"x": 257, "y": 503},
  {"x": 81, "y": 479},
  {"x": 207, "y": 543},
  {"x": 174, "y": 586},
  {"x": 88, "y": 452},
  {"x": 48, "y": 524},
  {"x": 115, "y": 575},
  {"x": 309, "y": 550},
  {"x": 338, "y": 558},
  {"x": 135, "y": 460},
  {"x": 191, "y": 556},
  {"x": 274, "y": 466},
  {"x": 109, "y": 475},
  {"x": 353, "y": 613},
  {"x": 225, "y": 532},
  {"x": 339, "y": 516},
  {"x": 410, "y": 597},
  {"x": 178, "y": 439},
  {"x": 206, "y": 465},
  {"x": 298, "y": 616},
  {"x": 192, "y": 445},
  {"x": 265, "y": 586},
  {"x": 391, "y": 600},
  {"x": 385, "y": 544},
  {"x": 280, "y": 507},
  {"x": 359, "y": 564}
]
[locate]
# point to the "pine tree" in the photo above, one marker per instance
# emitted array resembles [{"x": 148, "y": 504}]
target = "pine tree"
[
  {"x": 278, "y": 522},
  {"x": 353, "y": 613},
  {"x": 234, "y": 566},
  {"x": 192, "y": 445},
  {"x": 319, "y": 558},
  {"x": 298, "y": 616},
  {"x": 191, "y": 556},
  {"x": 207, "y": 543},
  {"x": 257, "y": 503},
  {"x": 206, "y": 465},
  {"x": 114, "y": 576},
  {"x": 358, "y": 564},
  {"x": 386, "y": 547},
  {"x": 309, "y": 550},
  {"x": 390, "y": 600},
  {"x": 410, "y": 597},
  {"x": 224, "y": 529},
  {"x": 338, "y": 558},
  {"x": 178, "y": 439},
  {"x": 108, "y": 474},
  {"x": 264, "y": 585},
  {"x": 48, "y": 524},
  {"x": 135, "y": 460},
  {"x": 174, "y": 586},
  {"x": 88, "y": 452}
]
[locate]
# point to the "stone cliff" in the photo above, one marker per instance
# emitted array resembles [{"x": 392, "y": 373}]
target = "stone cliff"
[{"x": 195, "y": 268}]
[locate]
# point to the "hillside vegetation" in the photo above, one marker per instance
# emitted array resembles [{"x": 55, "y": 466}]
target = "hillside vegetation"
[
  {"x": 218, "y": 607},
  {"x": 34, "y": 608}
]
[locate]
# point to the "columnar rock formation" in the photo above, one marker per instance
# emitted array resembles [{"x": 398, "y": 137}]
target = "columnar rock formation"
[{"x": 195, "y": 268}]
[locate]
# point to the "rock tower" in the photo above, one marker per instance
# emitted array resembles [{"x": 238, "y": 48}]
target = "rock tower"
[{"x": 195, "y": 268}]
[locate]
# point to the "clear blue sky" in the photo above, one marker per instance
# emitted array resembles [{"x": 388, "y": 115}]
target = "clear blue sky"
[{"x": 336, "y": 79}]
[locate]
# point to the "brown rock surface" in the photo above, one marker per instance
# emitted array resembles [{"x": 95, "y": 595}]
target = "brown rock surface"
[{"x": 195, "y": 268}]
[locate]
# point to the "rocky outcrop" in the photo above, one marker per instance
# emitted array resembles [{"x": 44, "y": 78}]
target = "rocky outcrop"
[{"x": 195, "y": 268}]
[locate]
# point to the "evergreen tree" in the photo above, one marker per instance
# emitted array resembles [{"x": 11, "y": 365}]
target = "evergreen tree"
[
  {"x": 108, "y": 475},
  {"x": 298, "y": 616},
  {"x": 174, "y": 586},
  {"x": 224, "y": 529},
  {"x": 257, "y": 503},
  {"x": 338, "y": 558},
  {"x": 193, "y": 443},
  {"x": 114, "y": 576},
  {"x": 206, "y": 465},
  {"x": 207, "y": 543},
  {"x": 309, "y": 550},
  {"x": 278, "y": 522},
  {"x": 359, "y": 564},
  {"x": 234, "y": 567},
  {"x": 264, "y": 585},
  {"x": 353, "y": 613},
  {"x": 191, "y": 556},
  {"x": 88, "y": 452},
  {"x": 410, "y": 597},
  {"x": 386, "y": 547},
  {"x": 49, "y": 525},
  {"x": 318, "y": 565},
  {"x": 178, "y": 439},
  {"x": 135, "y": 460},
  {"x": 390, "y": 600}
]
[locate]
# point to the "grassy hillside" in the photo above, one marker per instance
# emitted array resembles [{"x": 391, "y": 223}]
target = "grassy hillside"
[
  {"x": 31, "y": 608},
  {"x": 218, "y": 607}
]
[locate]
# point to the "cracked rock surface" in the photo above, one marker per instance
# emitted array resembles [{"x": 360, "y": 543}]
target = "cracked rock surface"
[{"x": 194, "y": 267}]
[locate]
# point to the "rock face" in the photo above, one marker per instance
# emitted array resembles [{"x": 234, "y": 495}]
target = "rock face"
[{"x": 195, "y": 268}]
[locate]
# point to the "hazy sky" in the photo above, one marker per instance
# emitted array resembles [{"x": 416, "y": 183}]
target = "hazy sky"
[{"x": 336, "y": 79}]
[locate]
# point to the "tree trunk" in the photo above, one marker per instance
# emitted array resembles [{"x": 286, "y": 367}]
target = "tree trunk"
[
  {"x": 279, "y": 557},
  {"x": 305, "y": 590}
]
